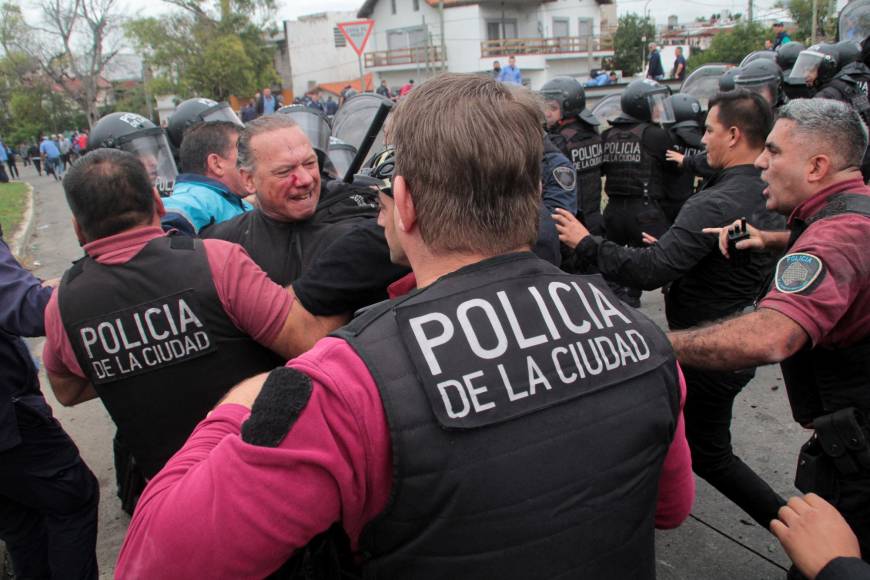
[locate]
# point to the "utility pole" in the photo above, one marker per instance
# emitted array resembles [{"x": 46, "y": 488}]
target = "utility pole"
[
  {"x": 443, "y": 45},
  {"x": 815, "y": 20},
  {"x": 749, "y": 11}
]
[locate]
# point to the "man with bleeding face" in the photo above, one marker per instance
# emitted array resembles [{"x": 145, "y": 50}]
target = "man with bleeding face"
[{"x": 297, "y": 216}]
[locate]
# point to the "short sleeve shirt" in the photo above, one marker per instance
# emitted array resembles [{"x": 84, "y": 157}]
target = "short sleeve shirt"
[
  {"x": 255, "y": 304},
  {"x": 834, "y": 307}
]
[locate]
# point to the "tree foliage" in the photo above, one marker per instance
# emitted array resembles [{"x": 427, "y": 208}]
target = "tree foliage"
[
  {"x": 210, "y": 50},
  {"x": 629, "y": 43},
  {"x": 70, "y": 45},
  {"x": 801, "y": 12},
  {"x": 731, "y": 46}
]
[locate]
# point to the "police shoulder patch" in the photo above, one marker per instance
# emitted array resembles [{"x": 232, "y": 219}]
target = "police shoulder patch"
[
  {"x": 565, "y": 177},
  {"x": 797, "y": 272}
]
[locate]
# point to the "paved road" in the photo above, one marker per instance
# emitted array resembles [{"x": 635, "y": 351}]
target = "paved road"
[{"x": 764, "y": 435}]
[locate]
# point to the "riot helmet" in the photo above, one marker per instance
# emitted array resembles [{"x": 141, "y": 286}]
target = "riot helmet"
[
  {"x": 703, "y": 83},
  {"x": 340, "y": 155},
  {"x": 726, "y": 81},
  {"x": 647, "y": 100},
  {"x": 848, "y": 51},
  {"x": 756, "y": 55},
  {"x": 197, "y": 110},
  {"x": 816, "y": 65},
  {"x": 787, "y": 54},
  {"x": 378, "y": 171},
  {"x": 761, "y": 76},
  {"x": 687, "y": 110},
  {"x": 137, "y": 135},
  {"x": 569, "y": 93},
  {"x": 313, "y": 122}
]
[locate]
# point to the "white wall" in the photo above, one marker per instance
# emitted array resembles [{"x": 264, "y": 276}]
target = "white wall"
[
  {"x": 405, "y": 17},
  {"x": 573, "y": 11},
  {"x": 464, "y": 30},
  {"x": 668, "y": 54},
  {"x": 312, "y": 51}
]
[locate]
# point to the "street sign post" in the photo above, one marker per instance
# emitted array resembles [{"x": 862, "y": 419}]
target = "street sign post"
[{"x": 357, "y": 34}]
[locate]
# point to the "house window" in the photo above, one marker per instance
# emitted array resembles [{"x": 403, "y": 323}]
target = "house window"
[
  {"x": 393, "y": 6},
  {"x": 499, "y": 29},
  {"x": 561, "y": 27},
  {"x": 416, "y": 5},
  {"x": 585, "y": 27},
  {"x": 403, "y": 38},
  {"x": 338, "y": 37}
]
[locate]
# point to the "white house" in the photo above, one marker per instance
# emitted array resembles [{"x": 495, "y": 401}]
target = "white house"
[
  {"x": 316, "y": 52},
  {"x": 548, "y": 37}
]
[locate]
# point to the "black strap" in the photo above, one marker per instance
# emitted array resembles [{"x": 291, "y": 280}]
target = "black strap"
[{"x": 843, "y": 203}]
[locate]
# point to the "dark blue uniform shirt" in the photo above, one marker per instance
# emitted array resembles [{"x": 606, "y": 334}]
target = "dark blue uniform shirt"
[{"x": 22, "y": 302}]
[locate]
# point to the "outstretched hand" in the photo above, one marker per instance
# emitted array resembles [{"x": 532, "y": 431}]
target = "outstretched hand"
[
  {"x": 571, "y": 231},
  {"x": 754, "y": 242},
  {"x": 675, "y": 156},
  {"x": 813, "y": 533}
]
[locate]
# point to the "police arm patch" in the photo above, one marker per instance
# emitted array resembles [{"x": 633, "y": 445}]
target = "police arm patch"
[
  {"x": 565, "y": 177},
  {"x": 797, "y": 272},
  {"x": 282, "y": 399}
]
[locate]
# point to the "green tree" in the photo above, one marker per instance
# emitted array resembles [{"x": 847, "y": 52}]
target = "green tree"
[
  {"x": 801, "y": 12},
  {"x": 731, "y": 46},
  {"x": 212, "y": 50},
  {"x": 629, "y": 43}
]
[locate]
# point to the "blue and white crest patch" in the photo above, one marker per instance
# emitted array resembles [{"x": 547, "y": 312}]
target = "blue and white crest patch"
[
  {"x": 797, "y": 272},
  {"x": 565, "y": 177}
]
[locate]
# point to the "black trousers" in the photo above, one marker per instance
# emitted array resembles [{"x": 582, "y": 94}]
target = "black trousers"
[
  {"x": 708, "y": 411},
  {"x": 48, "y": 501},
  {"x": 13, "y": 169},
  {"x": 625, "y": 219}
]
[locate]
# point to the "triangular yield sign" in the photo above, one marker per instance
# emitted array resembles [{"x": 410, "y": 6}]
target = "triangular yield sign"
[{"x": 357, "y": 33}]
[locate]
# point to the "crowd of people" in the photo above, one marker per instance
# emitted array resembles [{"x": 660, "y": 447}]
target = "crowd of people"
[
  {"x": 49, "y": 153},
  {"x": 435, "y": 366}
]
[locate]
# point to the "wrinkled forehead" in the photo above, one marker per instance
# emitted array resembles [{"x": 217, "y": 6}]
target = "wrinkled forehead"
[
  {"x": 782, "y": 136},
  {"x": 285, "y": 145}
]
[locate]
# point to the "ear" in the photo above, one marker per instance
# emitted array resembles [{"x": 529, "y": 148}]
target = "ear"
[
  {"x": 734, "y": 136},
  {"x": 819, "y": 168},
  {"x": 159, "y": 208},
  {"x": 80, "y": 234},
  {"x": 214, "y": 164},
  {"x": 248, "y": 181},
  {"x": 404, "y": 204}
]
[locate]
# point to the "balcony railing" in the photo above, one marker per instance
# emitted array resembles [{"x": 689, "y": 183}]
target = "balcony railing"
[
  {"x": 560, "y": 45},
  {"x": 420, "y": 55}
]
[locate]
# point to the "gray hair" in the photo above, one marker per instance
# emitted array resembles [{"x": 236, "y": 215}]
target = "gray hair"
[
  {"x": 259, "y": 126},
  {"x": 829, "y": 125}
]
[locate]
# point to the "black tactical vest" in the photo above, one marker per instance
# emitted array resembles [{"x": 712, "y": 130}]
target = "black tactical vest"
[
  {"x": 823, "y": 380},
  {"x": 530, "y": 412},
  {"x": 680, "y": 186},
  {"x": 630, "y": 169},
  {"x": 153, "y": 338},
  {"x": 584, "y": 148}
]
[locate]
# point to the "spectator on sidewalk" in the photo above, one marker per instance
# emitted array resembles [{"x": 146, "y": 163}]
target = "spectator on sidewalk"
[
  {"x": 679, "y": 71},
  {"x": 655, "y": 70},
  {"x": 3, "y": 159},
  {"x": 35, "y": 157},
  {"x": 10, "y": 161},
  {"x": 65, "y": 147},
  {"x": 267, "y": 103},
  {"x": 511, "y": 74},
  {"x": 51, "y": 157},
  {"x": 249, "y": 111}
]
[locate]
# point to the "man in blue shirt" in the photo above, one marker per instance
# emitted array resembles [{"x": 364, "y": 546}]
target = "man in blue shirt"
[
  {"x": 510, "y": 73},
  {"x": 267, "y": 104},
  {"x": 679, "y": 71},
  {"x": 51, "y": 154},
  {"x": 48, "y": 496},
  {"x": 210, "y": 189}
]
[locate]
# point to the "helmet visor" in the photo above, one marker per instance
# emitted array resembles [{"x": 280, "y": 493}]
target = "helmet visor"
[
  {"x": 222, "y": 113},
  {"x": 660, "y": 108},
  {"x": 313, "y": 123},
  {"x": 341, "y": 155},
  {"x": 765, "y": 88},
  {"x": 806, "y": 67},
  {"x": 152, "y": 149}
]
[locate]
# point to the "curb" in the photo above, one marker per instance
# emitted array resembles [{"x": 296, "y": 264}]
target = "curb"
[{"x": 21, "y": 238}]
